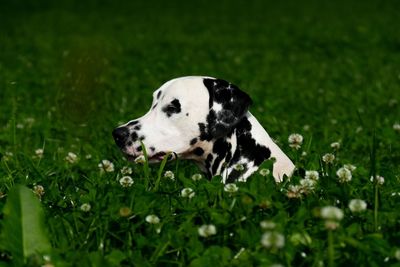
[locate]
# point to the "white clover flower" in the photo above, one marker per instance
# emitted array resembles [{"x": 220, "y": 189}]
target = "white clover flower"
[
  {"x": 126, "y": 181},
  {"x": 47, "y": 259},
  {"x": 140, "y": 159},
  {"x": 29, "y": 121},
  {"x": 328, "y": 158},
  {"x": 344, "y": 175},
  {"x": 331, "y": 213},
  {"x": 8, "y": 155},
  {"x": 231, "y": 188},
  {"x": 359, "y": 129},
  {"x": 239, "y": 167},
  {"x": 267, "y": 225},
  {"x": 306, "y": 127},
  {"x": 197, "y": 177},
  {"x": 392, "y": 102},
  {"x": 396, "y": 127},
  {"x": 380, "y": 180},
  {"x": 106, "y": 165},
  {"x": 307, "y": 185},
  {"x": 126, "y": 170},
  {"x": 304, "y": 154},
  {"x": 264, "y": 172},
  {"x": 335, "y": 145},
  {"x": 71, "y": 158},
  {"x": 85, "y": 207},
  {"x": 39, "y": 152},
  {"x": 350, "y": 167},
  {"x": 187, "y": 192},
  {"x": 314, "y": 175},
  {"x": 295, "y": 140},
  {"x": 19, "y": 126},
  {"x": 273, "y": 240},
  {"x": 88, "y": 156},
  {"x": 207, "y": 230},
  {"x": 38, "y": 190},
  {"x": 170, "y": 175},
  {"x": 357, "y": 205},
  {"x": 152, "y": 219},
  {"x": 294, "y": 191},
  {"x": 397, "y": 254}
]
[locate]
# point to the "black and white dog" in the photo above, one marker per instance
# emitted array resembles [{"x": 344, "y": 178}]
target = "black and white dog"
[{"x": 206, "y": 120}]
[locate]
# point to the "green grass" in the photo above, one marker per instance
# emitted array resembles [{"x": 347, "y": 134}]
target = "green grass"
[{"x": 71, "y": 72}]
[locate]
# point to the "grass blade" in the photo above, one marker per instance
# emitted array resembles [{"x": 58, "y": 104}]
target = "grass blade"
[
  {"x": 23, "y": 228},
  {"x": 160, "y": 170},
  {"x": 146, "y": 168}
]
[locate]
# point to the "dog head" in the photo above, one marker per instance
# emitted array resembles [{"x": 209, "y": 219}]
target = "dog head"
[{"x": 185, "y": 115}]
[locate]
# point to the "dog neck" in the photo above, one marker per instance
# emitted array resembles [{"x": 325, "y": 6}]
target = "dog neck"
[{"x": 239, "y": 154}]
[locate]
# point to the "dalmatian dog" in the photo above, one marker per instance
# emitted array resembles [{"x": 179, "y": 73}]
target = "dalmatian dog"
[{"x": 206, "y": 120}]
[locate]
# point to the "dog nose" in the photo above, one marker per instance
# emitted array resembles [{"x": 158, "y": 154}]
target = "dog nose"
[{"x": 120, "y": 135}]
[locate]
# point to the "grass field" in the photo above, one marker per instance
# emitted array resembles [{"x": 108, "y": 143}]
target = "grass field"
[{"x": 70, "y": 72}]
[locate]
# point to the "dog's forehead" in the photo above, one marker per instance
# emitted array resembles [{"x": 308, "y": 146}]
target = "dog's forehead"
[{"x": 191, "y": 88}]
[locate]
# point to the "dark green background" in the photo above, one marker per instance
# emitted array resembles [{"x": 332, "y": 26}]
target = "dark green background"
[{"x": 79, "y": 68}]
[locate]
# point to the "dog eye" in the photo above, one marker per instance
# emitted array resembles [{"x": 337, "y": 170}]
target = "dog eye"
[
  {"x": 170, "y": 108},
  {"x": 173, "y": 107}
]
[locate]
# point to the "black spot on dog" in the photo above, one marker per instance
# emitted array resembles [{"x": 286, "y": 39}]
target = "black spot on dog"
[
  {"x": 233, "y": 176},
  {"x": 155, "y": 105},
  {"x": 209, "y": 159},
  {"x": 133, "y": 123},
  {"x": 243, "y": 127},
  {"x": 134, "y": 136},
  {"x": 141, "y": 138},
  {"x": 204, "y": 133},
  {"x": 215, "y": 165},
  {"x": 234, "y": 102},
  {"x": 210, "y": 83},
  {"x": 210, "y": 130},
  {"x": 198, "y": 151},
  {"x": 247, "y": 146},
  {"x": 137, "y": 127},
  {"x": 193, "y": 141},
  {"x": 172, "y": 108},
  {"x": 152, "y": 148},
  {"x": 187, "y": 114},
  {"x": 221, "y": 148},
  {"x": 158, "y": 94},
  {"x": 129, "y": 143},
  {"x": 228, "y": 156},
  {"x": 139, "y": 148}
]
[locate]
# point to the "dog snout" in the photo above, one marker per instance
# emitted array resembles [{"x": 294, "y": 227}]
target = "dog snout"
[{"x": 120, "y": 135}]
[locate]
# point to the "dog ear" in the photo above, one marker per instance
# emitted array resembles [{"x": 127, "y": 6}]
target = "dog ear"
[{"x": 228, "y": 104}]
